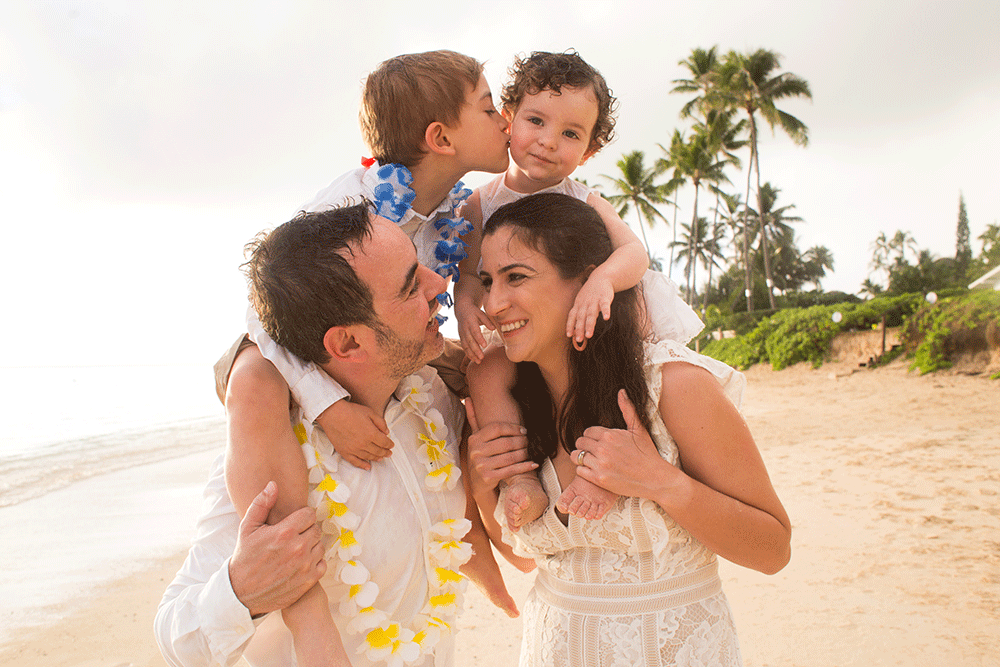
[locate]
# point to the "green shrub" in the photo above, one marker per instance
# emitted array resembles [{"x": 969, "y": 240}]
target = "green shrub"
[{"x": 935, "y": 331}]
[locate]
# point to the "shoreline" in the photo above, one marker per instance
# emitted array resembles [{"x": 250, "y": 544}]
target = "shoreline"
[{"x": 892, "y": 481}]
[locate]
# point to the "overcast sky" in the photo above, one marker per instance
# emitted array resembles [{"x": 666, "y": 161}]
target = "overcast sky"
[{"x": 142, "y": 144}]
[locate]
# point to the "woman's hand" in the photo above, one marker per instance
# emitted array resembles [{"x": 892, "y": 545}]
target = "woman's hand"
[
  {"x": 496, "y": 452},
  {"x": 623, "y": 461}
]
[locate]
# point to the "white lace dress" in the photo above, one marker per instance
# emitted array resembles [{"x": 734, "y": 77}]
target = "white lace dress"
[{"x": 633, "y": 588}]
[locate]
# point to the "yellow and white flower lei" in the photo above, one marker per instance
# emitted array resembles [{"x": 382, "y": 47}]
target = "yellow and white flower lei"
[{"x": 385, "y": 639}]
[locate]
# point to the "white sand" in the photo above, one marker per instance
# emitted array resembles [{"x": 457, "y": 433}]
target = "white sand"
[{"x": 893, "y": 485}]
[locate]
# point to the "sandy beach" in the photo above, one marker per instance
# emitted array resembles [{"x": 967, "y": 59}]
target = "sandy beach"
[{"x": 892, "y": 482}]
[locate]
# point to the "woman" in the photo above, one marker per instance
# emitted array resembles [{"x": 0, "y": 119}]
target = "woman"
[{"x": 650, "y": 422}]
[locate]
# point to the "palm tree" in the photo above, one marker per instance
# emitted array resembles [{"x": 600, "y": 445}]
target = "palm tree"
[
  {"x": 818, "y": 259},
  {"x": 707, "y": 249},
  {"x": 693, "y": 161},
  {"x": 635, "y": 187},
  {"x": 713, "y": 252},
  {"x": 703, "y": 67},
  {"x": 748, "y": 82},
  {"x": 773, "y": 221}
]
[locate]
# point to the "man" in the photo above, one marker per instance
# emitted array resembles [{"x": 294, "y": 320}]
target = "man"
[{"x": 344, "y": 289}]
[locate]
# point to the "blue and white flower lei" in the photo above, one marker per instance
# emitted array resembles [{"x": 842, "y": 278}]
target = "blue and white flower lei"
[{"x": 392, "y": 197}]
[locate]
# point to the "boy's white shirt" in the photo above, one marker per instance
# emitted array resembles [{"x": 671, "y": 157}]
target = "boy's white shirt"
[{"x": 313, "y": 389}]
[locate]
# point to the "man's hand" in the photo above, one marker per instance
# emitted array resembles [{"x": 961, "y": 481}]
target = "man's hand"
[
  {"x": 273, "y": 566},
  {"x": 356, "y": 432}
]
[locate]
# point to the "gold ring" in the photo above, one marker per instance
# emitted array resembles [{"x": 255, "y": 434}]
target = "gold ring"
[{"x": 579, "y": 457}]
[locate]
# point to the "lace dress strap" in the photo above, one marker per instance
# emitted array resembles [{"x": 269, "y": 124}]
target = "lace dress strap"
[{"x": 669, "y": 351}]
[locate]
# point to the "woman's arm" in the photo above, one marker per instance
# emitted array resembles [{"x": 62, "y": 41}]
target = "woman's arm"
[{"x": 721, "y": 494}]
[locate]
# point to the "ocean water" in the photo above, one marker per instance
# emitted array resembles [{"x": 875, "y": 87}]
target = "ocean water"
[{"x": 59, "y": 425}]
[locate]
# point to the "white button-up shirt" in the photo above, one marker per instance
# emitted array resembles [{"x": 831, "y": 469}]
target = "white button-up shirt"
[{"x": 200, "y": 622}]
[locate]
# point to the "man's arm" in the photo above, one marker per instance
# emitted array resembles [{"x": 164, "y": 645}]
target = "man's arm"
[{"x": 206, "y": 614}]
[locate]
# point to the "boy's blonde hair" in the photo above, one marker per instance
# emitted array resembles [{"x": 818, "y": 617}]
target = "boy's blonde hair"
[
  {"x": 407, "y": 93},
  {"x": 551, "y": 71}
]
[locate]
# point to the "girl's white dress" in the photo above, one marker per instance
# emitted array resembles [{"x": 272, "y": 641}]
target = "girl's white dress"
[{"x": 633, "y": 588}]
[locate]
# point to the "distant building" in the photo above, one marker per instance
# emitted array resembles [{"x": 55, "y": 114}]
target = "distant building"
[{"x": 991, "y": 279}]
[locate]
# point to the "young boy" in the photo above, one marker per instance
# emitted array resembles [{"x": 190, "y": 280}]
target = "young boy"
[
  {"x": 428, "y": 119},
  {"x": 561, "y": 112}
]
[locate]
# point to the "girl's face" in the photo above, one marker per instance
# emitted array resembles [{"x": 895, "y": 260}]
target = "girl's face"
[
  {"x": 550, "y": 134},
  {"x": 527, "y": 299}
]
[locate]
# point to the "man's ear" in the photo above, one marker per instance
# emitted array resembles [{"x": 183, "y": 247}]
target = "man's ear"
[
  {"x": 342, "y": 345},
  {"x": 437, "y": 140}
]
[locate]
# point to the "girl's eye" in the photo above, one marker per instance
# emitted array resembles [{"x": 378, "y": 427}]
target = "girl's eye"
[
  {"x": 535, "y": 120},
  {"x": 571, "y": 134}
]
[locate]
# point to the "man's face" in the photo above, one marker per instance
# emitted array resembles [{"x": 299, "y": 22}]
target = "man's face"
[{"x": 404, "y": 294}]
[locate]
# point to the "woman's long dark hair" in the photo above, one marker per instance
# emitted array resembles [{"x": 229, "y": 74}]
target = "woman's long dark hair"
[{"x": 571, "y": 234}]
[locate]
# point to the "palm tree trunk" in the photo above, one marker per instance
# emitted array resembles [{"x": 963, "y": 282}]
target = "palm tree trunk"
[
  {"x": 746, "y": 225},
  {"x": 708, "y": 286},
  {"x": 670, "y": 267},
  {"x": 691, "y": 242},
  {"x": 642, "y": 228},
  {"x": 769, "y": 280}
]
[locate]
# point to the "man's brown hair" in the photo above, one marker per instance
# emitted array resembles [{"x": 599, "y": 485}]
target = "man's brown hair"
[
  {"x": 302, "y": 283},
  {"x": 551, "y": 71},
  {"x": 407, "y": 93}
]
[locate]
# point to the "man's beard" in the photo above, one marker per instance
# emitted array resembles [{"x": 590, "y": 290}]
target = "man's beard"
[{"x": 401, "y": 357}]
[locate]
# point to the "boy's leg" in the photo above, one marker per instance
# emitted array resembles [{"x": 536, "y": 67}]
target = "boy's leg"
[
  {"x": 224, "y": 366},
  {"x": 585, "y": 499},
  {"x": 451, "y": 366}
]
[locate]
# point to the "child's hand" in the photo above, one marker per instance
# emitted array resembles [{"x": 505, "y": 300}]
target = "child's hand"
[
  {"x": 470, "y": 318},
  {"x": 594, "y": 297},
  {"x": 358, "y": 434}
]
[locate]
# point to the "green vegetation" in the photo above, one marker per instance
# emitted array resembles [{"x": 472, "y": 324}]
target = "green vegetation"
[
  {"x": 936, "y": 331},
  {"x": 785, "y": 337}
]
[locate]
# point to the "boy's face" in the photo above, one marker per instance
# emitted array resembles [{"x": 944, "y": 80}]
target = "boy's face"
[
  {"x": 480, "y": 138},
  {"x": 550, "y": 133}
]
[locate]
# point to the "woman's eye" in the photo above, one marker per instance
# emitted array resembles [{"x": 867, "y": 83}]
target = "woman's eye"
[
  {"x": 515, "y": 277},
  {"x": 487, "y": 283}
]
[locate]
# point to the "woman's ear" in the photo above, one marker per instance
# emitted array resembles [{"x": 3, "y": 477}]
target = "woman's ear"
[{"x": 436, "y": 139}]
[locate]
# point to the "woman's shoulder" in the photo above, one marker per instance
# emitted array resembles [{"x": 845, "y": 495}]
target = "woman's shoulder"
[{"x": 672, "y": 361}]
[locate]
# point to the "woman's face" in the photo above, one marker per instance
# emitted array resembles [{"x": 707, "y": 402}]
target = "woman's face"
[{"x": 526, "y": 298}]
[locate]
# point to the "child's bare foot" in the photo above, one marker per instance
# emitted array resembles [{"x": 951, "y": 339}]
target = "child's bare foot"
[
  {"x": 526, "y": 500},
  {"x": 585, "y": 499}
]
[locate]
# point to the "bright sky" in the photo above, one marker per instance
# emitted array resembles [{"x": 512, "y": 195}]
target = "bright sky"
[{"x": 142, "y": 144}]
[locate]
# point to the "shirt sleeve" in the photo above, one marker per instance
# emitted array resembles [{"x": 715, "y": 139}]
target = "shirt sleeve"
[
  {"x": 311, "y": 387},
  {"x": 200, "y": 622}
]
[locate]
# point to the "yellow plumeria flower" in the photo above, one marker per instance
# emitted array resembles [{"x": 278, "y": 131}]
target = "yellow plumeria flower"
[
  {"x": 444, "y": 477},
  {"x": 366, "y": 619},
  {"x": 347, "y": 545},
  {"x": 391, "y": 643},
  {"x": 358, "y": 596},
  {"x": 450, "y": 553},
  {"x": 452, "y": 528},
  {"x": 414, "y": 392}
]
